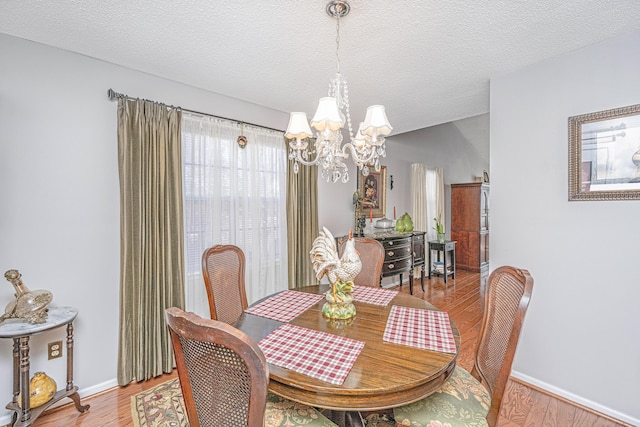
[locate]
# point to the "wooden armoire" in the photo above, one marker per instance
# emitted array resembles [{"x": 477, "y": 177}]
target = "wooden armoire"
[{"x": 470, "y": 226}]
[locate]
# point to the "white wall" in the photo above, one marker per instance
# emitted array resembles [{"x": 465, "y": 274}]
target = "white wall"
[
  {"x": 59, "y": 188},
  {"x": 581, "y": 336}
]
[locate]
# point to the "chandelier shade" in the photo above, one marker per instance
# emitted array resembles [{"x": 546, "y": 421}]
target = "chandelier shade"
[
  {"x": 298, "y": 126},
  {"x": 365, "y": 147},
  {"x": 376, "y": 122},
  {"x": 327, "y": 115}
]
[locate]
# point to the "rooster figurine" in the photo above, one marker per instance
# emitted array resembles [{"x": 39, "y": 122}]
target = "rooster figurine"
[{"x": 339, "y": 271}]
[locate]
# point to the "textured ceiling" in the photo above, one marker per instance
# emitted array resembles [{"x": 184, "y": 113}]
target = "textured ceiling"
[{"x": 428, "y": 62}]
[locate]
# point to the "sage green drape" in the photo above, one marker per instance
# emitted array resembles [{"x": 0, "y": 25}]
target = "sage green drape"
[
  {"x": 151, "y": 235},
  {"x": 302, "y": 223}
]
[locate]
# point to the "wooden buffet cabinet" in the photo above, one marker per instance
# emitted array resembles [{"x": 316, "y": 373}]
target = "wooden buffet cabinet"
[
  {"x": 402, "y": 253},
  {"x": 470, "y": 226}
]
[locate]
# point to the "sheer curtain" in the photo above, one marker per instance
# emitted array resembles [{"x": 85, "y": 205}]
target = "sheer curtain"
[
  {"x": 435, "y": 200},
  {"x": 427, "y": 194},
  {"x": 420, "y": 214},
  {"x": 236, "y": 196},
  {"x": 440, "y": 202}
]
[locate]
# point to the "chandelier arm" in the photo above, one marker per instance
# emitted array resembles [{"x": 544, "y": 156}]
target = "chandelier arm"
[
  {"x": 354, "y": 154},
  {"x": 299, "y": 159}
]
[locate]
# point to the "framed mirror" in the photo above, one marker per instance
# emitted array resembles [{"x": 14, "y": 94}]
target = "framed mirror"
[{"x": 604, "y": 155}]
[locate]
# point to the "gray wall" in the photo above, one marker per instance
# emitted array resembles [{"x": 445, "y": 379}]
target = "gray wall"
[
  {"x": 461, "y": 148},
  {"x": 59, "y": 220},
  {"x": 580, "y": 338}
]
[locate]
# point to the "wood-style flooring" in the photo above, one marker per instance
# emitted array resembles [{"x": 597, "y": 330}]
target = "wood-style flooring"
[{"x": 462, "y": 298}]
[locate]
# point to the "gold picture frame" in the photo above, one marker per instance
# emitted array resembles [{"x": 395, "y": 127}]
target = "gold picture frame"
[
  {"x": 372, "y": 191},
  {"x": 604, "y": 155}
]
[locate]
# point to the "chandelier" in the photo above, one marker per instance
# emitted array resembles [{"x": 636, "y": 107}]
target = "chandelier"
[{"x": 366, "y": 146}]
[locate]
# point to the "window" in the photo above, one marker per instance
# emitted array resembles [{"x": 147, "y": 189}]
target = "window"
[{"x": 236, "y": 196}]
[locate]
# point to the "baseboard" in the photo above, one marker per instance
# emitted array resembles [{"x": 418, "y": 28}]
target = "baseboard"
[
  {"x": 5, "y": 419},
  {"x": 573, "y": 399}
]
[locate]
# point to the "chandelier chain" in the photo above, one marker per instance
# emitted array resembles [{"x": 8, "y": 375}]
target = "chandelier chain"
[{"x": 338, "y": 41}]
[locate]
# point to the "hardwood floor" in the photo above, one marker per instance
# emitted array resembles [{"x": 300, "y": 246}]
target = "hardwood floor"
[{"x": 522, "y": 406}]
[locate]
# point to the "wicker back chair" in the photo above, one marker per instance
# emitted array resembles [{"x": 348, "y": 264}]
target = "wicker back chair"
[
  {"x": 508, "y": 294},
  {"x": 475, "y": 399},
  {"x": 372, "y": 257},
  {"x": 223, "y": 374},
  {"x": 224, "y": 377},
  {"x": 223, "y": 273}
]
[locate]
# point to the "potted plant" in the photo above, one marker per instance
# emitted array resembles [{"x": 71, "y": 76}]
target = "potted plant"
[{"x": 439, "y": 229}]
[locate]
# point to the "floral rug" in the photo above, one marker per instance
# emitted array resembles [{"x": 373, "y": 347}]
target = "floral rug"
[{"x": 162, "y": 406}]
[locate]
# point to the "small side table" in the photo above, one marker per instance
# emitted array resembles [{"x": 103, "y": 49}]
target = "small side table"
[
  {"x": 445, "y": 247},
  {"x": 20, "y": 330}
]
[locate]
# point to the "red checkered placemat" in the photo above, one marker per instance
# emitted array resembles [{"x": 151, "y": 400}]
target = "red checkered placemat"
[
  {"x": 425, "y": 329},
  {"x": 285, "y": 306},
  {"x": 317, "y": 354},
  {"x": 373, "y": 295}
]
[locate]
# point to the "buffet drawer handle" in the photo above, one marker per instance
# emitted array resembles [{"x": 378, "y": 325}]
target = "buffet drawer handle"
[
  {"x": 390, "y": 253},
  {"x": 391, "y": 243},
  {"x": 391, "y": 266}
]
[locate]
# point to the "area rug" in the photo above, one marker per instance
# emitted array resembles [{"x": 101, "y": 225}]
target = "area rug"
[{"x": 162, "y": 406}]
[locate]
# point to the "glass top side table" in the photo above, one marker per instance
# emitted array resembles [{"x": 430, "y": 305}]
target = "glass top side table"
[{"x": 20, "y": 331}]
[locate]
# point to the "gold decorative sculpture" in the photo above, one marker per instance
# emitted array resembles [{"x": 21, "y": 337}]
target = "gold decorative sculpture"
[
  {"x": 29, "y": 305},
  {"x": 42, "y": 388},
  {"x": 339, "y": 271}
]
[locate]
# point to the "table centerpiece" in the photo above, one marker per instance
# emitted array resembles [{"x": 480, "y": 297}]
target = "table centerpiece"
[{"x": 339, "y": 271}]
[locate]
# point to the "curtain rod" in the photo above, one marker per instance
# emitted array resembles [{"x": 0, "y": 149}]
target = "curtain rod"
[{"x": 114, "y": 95}]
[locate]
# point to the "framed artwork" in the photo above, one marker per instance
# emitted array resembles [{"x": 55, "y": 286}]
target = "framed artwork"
[
  {"x": 372, "y": 190},
  {"x": 604, "y": 155}
]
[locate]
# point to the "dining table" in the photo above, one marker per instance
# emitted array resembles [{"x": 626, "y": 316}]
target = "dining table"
[{"x": 383, "y": 375}]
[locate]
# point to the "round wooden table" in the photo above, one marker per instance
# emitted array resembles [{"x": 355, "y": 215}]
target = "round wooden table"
[{"x": 384, "y": 375}]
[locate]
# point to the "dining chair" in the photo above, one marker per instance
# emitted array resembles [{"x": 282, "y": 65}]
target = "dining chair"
[
  {"x": 372, "y": 257},
  {"x": 474, "y": 399},
  {"x": 224, "y": 377},
  {"x": 223, "y": 269}
]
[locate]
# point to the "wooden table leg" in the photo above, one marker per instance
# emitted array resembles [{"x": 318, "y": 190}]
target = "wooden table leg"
[
  {"x": 446, "y": 269},
  {"x": 344, "y": 419},
  {"x": 453, "y": 261},
  {"x": 411, "y": 281}
]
